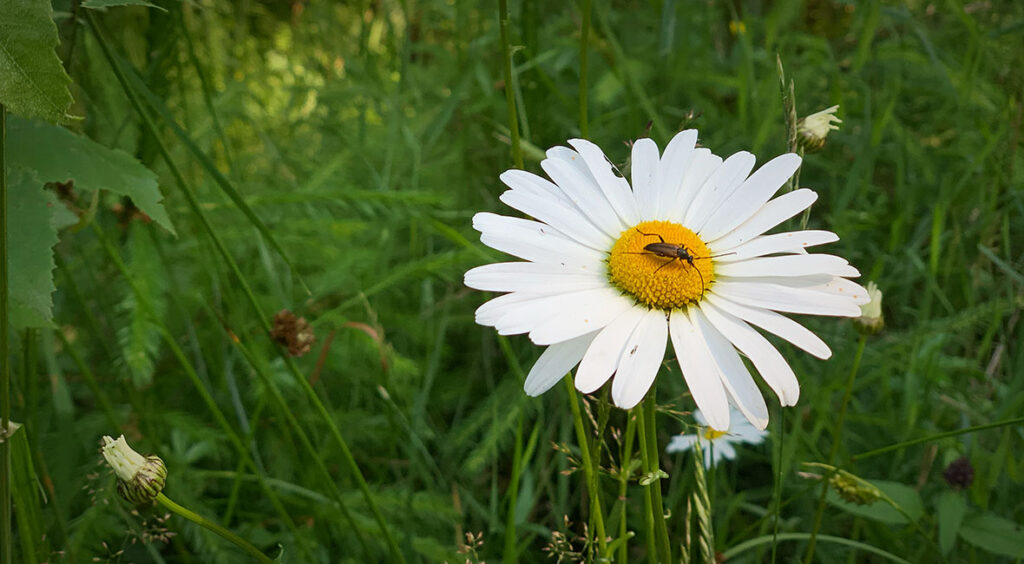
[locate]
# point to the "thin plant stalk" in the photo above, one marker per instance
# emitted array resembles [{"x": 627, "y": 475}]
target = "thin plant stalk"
[
  {"x": 938, "y": 436},
  {"x": 702, "y": 503},
  {"x": 197, "y": 211},
  {"x": 625, "y": 471},
  {"x": 780, "y": 431},
  {"x": 584, "y": 39},
  {"x": 513, "y": 496},
  {"x": 650, "y": 407},
  {"x": 510, "y": 100},
  {"x": 650, "y": 535},
  {"x": 589, "y": 467},
  {"x": 6, "y": 526},
  {"x": 214, "y": 527},
  {"x": 837, "y": 432}
]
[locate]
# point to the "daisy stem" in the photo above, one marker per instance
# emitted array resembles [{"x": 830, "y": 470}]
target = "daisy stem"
[
  {"x": 836, "y": 435},
  {"x": 652, "y": 543},
  {"x": 5, "y": 372},
  {"x": 625, "y": 471},
  {"x": 506, "y": 55},
  {"x": 649, "y": 451},
  {"x": 702, "y": 502},
  {"x": 513, "y": 496},
  {"x": 584, "y": 38},
  {"x": 589, "y": 468},
  {"x": 214, "y": 527}
]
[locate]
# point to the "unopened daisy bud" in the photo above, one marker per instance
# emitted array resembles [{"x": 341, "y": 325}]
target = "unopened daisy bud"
[
  {"x": 139, "y": 478},
  {"x": 871, "y": 321},
  {"x": 959, "y": 474},
  {"x": 814, "y": 128},
  {"x": 852, "y": 489}
]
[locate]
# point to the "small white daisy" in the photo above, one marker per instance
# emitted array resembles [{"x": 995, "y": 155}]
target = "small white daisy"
[
  {"x": 613, "y": 272},
  {"x": 717, "y": 445}
]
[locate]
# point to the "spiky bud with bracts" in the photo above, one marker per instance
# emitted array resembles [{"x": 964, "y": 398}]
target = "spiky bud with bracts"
[
  {"x": 853, "y": 489},
  {"x": 814, "y": 128},
  {"x": 959, "y": 474},
  {"x": 139, "y": 478},
  {"x": 871, "y": 320}
]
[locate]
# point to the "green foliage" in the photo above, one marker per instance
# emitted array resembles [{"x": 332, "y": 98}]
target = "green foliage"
[
  {"x": 100, "y": 4},
  {"x": 33, "y": 83},
  {"x": 31, "y": 235}
]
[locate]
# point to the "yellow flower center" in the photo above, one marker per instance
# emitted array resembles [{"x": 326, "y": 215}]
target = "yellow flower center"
[
  {"x": 711, "y": 434},
  {"x": 661, "y": 264}
]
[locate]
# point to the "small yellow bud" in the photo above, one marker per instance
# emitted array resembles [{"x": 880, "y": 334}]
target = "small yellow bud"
[
  {"x": 814, "y": 128},
  {"x": 139, "y": 478},
  {"x": 852, "y": 489}
]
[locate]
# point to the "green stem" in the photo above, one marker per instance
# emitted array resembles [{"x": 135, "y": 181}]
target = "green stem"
[
  {"x": 197, "y": 211},
  {"x": 513, "y": 496},
  {"x": 510, "y": 101},
  {"x": 6, "y": 526},
  {"x": 650, "y": 407},
  {"x": 589, "y": 468},
  {"x": 204, "y": 522},
  {"x": 584, "y": 39},
  {"x": 625, "y": 471},
  {"x": 931, "y": 438},
  {"x": 780, "y": 431},
  {"x": 645, "y": 460},
  {"x": 837, "y": 432}
]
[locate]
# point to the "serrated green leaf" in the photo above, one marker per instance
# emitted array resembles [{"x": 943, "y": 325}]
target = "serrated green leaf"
[
  {"x": 32, "y": 80},
  {"x": 31, "y": 236},
  {"x": 994, "y": 534},
  {"x": 951, "y": 509},
  {"x": 99, "y": 4},
  {"x": 92, "y": 166},
  {"x": 138, "y": 338},
  {"x": 905, "y": 496}
]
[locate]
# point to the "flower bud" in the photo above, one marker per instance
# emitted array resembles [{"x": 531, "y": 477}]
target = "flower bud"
[
  {"x": 139, "y": 478},
  {"x": 814, "y": 128},
  {"x": 959, "y": 474},
  {"x": 871, "y": 320},
  {"x": 852, "y": 489}
]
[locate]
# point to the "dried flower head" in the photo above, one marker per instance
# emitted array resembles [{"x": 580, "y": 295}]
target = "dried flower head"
[
  {"x": 960, "y": 473},
  {"x": 293, "y": 332}
]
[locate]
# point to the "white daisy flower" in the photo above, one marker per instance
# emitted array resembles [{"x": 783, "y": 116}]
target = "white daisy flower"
[
  {"x": 613, "y": 272},
  {"x": 717, "y": 445}
]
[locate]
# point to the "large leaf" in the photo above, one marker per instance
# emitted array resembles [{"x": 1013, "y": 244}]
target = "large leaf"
[
  {"x": 32, "y": 80},
  {"x": 95, "y": 4},
  {"x": 57, "y": 155},
  {"x": 994, "y": 534},
  {"x": 31, "y": 236},
  {"x": 951, "y": 509},
  {"x": 903, "y": 495}
]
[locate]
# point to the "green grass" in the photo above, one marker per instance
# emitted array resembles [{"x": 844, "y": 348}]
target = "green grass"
[{"x": 364, "y": 137}]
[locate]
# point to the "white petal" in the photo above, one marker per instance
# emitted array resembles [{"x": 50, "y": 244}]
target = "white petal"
[
  {"x": 602, "y": 359},
  {"x": 643, "y": 166},
  {"x": 843, "y": 288},
  {"x": 581, "y": 188},
  {"x": 789, "y": 242},
  {"x": 774, "y": 323},
  {"x": 699, "y": 371},
  {"x": 530, "y": 183},
  {"x": 784, "y": 298},
  {"x": 671, "y": 171},
  {"x": 794, "y": 265},
  {"x": 722, "y": 183},
  {"x": 772, "y": 366},
  {"x": 724, "y": 450},
  {"x": 590, "y": 311},
  {"x": 640, "y": 360},
  {"x": 615, "y": 187},
  {"x": 541, "y": 278},
  {"x": 738, "y": 383},
  {"x": 527, "y": 316},
  {"x": 490, "y": 312},
  {"x": 681, "y": 443},
  {"x": 702, "y": 165},
  {"x": 751, "y": 196},
  {"x": 554, "y": 363},
  {"x": 771, "y": 214},
  {"x": 568, "y": 220},
  {"x": 535, "y": 241}
]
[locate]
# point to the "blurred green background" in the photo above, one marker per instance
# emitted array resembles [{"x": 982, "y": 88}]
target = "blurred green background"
[{"x": 365, "y": 135}]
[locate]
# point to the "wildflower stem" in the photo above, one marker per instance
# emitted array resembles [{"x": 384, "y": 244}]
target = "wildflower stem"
[
  {"x": 649, "y": 452},
  {"x": 510, "y": 100},
  {"x": 584, "y": 38},
  {"x": 204, "y": 522},
  {"x": 652, "y": 541},
  {"x": 5, "y": 371},
  {"x": 836, "y": 435},
  {"x": 702, "y": 503},
  {"x": 780, "y": 432},
  {"x": 625, "y": 471},
  {"x": 589, "y": 468},
  {"x": 513, "y": 496},
  {"x": 939, "y": 436}
]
